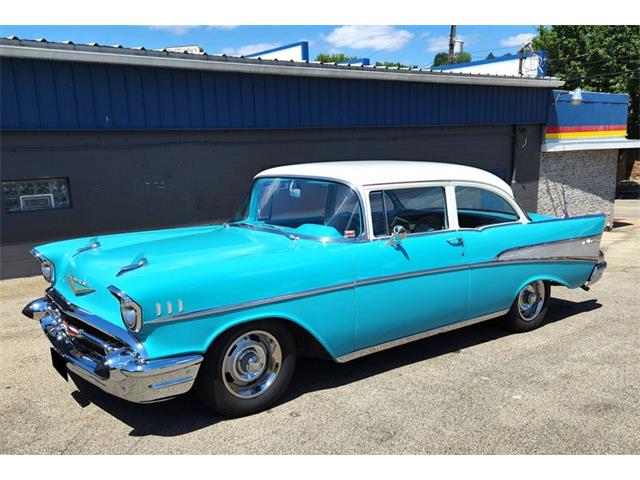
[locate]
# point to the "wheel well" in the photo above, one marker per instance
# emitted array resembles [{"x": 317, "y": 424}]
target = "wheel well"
[{"x": 306, "y": 344}]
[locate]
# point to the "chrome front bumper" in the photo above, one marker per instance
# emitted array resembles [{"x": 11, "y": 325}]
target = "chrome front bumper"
[{"x": 121, "y": 370}]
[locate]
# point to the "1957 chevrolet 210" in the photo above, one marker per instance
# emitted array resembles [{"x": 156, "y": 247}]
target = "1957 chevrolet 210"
[{"x": 338, "y": 259}]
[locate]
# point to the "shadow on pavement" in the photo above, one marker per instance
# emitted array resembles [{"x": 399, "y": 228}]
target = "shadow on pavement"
[{"x": 186, "y": 414}]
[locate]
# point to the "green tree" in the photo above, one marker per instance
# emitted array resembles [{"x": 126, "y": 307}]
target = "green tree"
[
  {"x": 490, "y": 56},
  {"x": 442, "y": 58},
  {"x": 394, "y": 65},
  {"x": 598, "y": 58},
  {"x": 334, "y": 58}
]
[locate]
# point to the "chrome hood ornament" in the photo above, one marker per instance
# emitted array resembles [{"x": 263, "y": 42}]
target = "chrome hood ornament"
[
  {"x": 139, "y": 261},
  {"x": 92, "y": 245}
]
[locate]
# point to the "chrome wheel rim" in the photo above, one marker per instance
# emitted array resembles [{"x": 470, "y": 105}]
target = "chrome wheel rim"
[
  {"x": 531, "y": 300},
  {"x": 251, "y": 364}
]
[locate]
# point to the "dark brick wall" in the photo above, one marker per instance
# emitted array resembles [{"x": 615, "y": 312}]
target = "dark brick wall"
[{"x": 143, "y": 180}]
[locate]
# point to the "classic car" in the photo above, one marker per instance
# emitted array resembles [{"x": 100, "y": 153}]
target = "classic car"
[{"x": 335, "y": 260}]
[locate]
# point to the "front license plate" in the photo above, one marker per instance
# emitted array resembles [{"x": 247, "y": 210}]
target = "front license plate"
[{"x": 60, "y": 364}]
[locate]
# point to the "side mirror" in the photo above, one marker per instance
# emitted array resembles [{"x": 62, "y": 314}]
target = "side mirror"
[{"x": 398, "y": 234}]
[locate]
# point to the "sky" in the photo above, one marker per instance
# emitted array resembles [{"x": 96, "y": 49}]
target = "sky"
[{"x": 410, "y": 45}]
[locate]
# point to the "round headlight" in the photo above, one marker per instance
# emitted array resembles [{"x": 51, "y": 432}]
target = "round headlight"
[
  {"x": 47, "y": 271},
  {"x": 130, "y": 316}
]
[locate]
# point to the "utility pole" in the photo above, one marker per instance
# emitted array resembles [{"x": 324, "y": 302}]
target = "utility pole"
[{"x": 452, "y": 44}]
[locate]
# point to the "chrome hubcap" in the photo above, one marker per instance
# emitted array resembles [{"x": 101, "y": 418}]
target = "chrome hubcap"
[
  {"x": 531, "y": 300},
  {"x": 251, "y": 364}
]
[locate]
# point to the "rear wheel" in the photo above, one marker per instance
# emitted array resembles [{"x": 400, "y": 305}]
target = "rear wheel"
[
  {"x": 530, "y": 307},
  {"x": 248, "y": 368}
]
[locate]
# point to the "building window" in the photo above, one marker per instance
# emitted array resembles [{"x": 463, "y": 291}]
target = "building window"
[{"x": 40, "y": 194}]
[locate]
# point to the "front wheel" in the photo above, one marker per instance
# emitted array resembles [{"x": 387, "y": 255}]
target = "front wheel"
[
  {"x": 530, "y": 307},
  {"x": 248, "y": 368}
]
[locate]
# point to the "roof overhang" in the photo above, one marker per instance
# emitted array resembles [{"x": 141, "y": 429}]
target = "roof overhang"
[
  {"x": 610, "y": 144},
  {"x": 163, "y": 59}
]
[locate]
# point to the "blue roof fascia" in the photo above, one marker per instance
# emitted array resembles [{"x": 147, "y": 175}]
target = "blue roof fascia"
[{"x": 504, "y": 58}]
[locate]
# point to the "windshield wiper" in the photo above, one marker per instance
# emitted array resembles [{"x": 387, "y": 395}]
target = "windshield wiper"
[{"x": 265, "y": 226}]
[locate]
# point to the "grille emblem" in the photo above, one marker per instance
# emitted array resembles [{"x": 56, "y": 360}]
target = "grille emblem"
[{"x": 78, "y": 286}]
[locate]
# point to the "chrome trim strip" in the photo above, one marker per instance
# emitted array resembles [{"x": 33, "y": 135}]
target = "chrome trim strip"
[
  {"x": 418, "y": 336},
  {"x": 255, "y": 303},
  {"x": 579, "y": 247},
  {"x": 369, "y": 281}
]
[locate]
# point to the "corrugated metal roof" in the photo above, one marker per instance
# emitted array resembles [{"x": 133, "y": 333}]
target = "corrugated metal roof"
[{"x": 117, "y": 54}]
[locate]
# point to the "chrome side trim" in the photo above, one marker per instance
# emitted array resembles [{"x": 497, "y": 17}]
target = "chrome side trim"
[
  {"x": 580, "y": 247},
  {"x": 255, "y": 303},
  {"x": 359, "y": 283},
  {"x": 418, "y": 336}
]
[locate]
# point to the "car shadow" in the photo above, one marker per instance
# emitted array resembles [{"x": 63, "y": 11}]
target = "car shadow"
[{"x": 186, "y": 414}]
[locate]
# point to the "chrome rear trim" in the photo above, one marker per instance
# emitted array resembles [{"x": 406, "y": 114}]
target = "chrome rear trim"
[{"x": 418, "y": 336}]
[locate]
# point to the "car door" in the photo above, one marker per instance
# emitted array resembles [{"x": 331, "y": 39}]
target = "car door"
[
  {"x": 418, "y": 284},
  {"x": 491, "y": 223}
]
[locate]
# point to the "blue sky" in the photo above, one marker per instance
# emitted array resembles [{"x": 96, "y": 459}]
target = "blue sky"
[{"x": 415, "y": 45}]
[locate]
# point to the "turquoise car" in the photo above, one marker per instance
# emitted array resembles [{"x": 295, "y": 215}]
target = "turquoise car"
[{"x": 335, "y": 260}]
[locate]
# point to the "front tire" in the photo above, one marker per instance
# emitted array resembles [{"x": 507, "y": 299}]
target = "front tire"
[
  {"x": 529, "y": 308},
  {"x": 248, "y": 368}
]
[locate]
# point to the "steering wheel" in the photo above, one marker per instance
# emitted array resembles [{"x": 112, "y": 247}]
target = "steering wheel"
[
  {"x": 402, "y": 222},
  {"x": 428, "y": 223}
]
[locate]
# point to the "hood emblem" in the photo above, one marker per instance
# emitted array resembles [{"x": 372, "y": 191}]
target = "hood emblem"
[{"x": 78, "y": 286}]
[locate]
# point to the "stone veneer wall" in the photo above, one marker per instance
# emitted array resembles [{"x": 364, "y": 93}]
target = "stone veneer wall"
[{"x": 584, "y": 179}]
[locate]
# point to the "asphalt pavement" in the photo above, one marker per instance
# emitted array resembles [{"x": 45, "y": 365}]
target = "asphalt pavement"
[{"x": 572, "y": 386}]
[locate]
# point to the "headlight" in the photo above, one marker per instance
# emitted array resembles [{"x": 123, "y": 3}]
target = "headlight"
[
  {"x": 46, "y": 267},
  {"x": 129, "y": 310}
]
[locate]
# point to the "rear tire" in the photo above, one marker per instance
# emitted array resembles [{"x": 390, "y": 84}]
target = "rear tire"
[
  {"x": 248, "y": 368},
  {"x": 529, "y": 308}
]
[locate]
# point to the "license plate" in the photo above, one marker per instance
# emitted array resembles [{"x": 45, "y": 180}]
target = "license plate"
[{"x": 60, "y": 364}]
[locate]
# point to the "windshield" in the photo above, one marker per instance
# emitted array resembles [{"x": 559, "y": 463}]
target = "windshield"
[{"x": 317, "y": 208}]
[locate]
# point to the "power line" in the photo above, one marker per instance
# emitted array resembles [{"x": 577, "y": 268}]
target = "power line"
[{"x": 587, "y": 77}]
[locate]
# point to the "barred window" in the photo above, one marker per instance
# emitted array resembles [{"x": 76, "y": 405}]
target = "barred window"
[{"x": 36, "y": 194}]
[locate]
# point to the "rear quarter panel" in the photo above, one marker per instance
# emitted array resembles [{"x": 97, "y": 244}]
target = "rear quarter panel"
[{"x": 494, "y": 284}]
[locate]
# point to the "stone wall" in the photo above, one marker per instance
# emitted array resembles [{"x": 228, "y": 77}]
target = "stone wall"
[{"x": 582, "y": 182}]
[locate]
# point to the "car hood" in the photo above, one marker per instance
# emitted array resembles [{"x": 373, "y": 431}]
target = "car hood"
[{"x": 185, "y": 255}]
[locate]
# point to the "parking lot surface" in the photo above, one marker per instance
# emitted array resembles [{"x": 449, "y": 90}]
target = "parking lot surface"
[{"x": 572, "y": 386}]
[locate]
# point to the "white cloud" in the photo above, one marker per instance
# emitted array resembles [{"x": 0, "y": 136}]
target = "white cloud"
[
  {"x": 175, "y": 29},
  {"x": 222, "y": 27},
  {"x": 249, "y": 49},
  {"x": 441, "y": 44},
  {"x": 517, "y": 40},
  {"x": 183, "y": 29},
  {"x": 377, "y": 37}
]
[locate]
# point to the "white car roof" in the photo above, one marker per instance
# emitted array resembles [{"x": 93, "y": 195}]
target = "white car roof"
[{"x": 379, "y": 172}]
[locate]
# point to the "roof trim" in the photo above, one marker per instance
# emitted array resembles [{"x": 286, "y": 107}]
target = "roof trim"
[
  {"x": 149, "y": 58},
  {"x": 568, "y": 146}
]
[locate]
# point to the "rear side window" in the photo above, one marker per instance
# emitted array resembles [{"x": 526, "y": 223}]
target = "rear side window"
[
  {"x": 478, "y": 207},
  {"x": 418, "y": 210}
]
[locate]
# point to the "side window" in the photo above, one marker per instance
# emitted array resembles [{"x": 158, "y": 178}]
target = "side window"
[
  {"x": 478, "y": 207},
  {"x": 418, "y": 210}
]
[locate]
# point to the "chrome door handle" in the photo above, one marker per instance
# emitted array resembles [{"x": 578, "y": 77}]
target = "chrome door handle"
[{"x": 456, "y": 241}]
